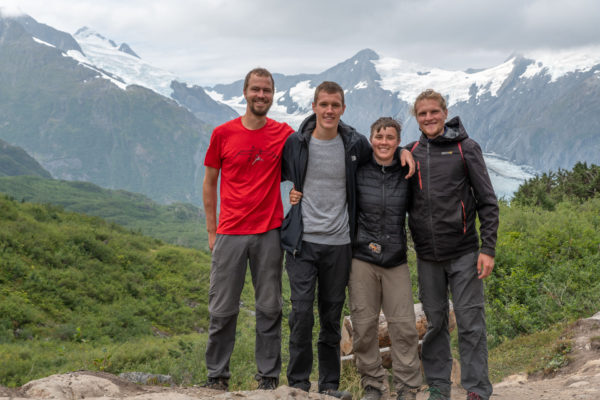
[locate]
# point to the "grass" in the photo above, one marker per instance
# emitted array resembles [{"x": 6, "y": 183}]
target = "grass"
[
  {"x": 533, "y": 353},
  {"x": 77, "y": 292}
]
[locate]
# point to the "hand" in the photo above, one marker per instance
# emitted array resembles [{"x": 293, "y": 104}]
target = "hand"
[
  {"x": 407, "y": 158},
  {"x": 212, "y": 236},
  {"x": 295, "y": 197},
  {"x": 485, "y": 265}
]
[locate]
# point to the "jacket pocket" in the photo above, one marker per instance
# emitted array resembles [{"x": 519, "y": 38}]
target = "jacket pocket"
[{"x": 450, "y": 217}]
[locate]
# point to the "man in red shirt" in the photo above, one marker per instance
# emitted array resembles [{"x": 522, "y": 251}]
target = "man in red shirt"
[{"x": 247, "y": 152}]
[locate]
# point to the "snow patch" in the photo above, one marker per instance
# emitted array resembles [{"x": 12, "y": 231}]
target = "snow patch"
[
  {"x": 83, "y": 61},
  {"x": 361, "y": 85},
  {"x": 42, "y": 42},
  {"x": 302, "y": 94},
  {"x": 506, "y": 177},
  {"x": 410, "y": 79},
  {"x": 105, "y": 54},
  {"x": 558, "y": 63}
]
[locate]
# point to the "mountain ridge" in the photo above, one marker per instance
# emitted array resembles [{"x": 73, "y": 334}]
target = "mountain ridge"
[
  {"x": 80, "y": 123},
  {"x": 558, "y": 94}
]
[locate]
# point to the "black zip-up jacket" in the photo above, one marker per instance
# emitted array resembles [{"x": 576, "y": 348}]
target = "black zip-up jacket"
[
  {"x": 293, "y": 168},
  {"x": 450, "y": 187},
  {"x": 383, "y": 194}
]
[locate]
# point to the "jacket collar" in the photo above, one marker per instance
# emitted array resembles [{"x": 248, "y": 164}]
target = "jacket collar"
[
  {"x": 454, "y": 131},
  {"x": 346, "y": 132}
]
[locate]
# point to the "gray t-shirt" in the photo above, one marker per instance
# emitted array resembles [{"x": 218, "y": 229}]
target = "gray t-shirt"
[{"x": 324, "y": 204}]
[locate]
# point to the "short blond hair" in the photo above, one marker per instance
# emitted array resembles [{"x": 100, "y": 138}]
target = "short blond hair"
[{"x": 429, "y": 94}]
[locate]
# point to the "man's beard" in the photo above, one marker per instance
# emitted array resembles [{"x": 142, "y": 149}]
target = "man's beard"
[{"x": 259, "y": 113}]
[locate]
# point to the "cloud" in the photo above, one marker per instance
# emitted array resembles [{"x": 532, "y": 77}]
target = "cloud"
[{"x": 211, "y": 41}]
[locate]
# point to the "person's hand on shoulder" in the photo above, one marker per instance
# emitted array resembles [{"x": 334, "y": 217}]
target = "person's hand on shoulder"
[{"x": 406, "y": 158}]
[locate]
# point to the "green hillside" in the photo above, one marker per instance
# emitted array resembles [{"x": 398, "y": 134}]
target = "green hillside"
[
  {"x": 15, "y": 161},
  {"x": 77, "y": 292},
  {"x": 67, "y": 276},
  {"x": 181, "y": 224}
]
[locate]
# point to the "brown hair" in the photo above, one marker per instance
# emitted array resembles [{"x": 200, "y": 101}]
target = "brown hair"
[
  {"x": 386, "y": 122},
  {"x": 429, "y": 94},
  {"x": 330, "y": 88},
  {"x": 258, "y": 72}
]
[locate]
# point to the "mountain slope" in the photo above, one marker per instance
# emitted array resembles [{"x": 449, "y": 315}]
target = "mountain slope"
[
  {"x": 15, "y": 161},
  {"x": 123, "y": 62},
  {"x": 177, "y": 223},
  {"x": 81, "y": 123},
  {"x": 72, "y": 277}
]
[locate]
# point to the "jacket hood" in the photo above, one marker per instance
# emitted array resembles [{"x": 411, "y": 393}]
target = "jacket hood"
[{"x": 454, "y": 132}]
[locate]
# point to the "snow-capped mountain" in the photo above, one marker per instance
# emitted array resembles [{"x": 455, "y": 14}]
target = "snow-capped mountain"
[
  {"x": 121, "y": 65},
  {"x": 538, "y": 109},
  {"x": 534, "y": 112},
  {"x": 122, "y": 61},
  {"x": 81, "y": 122}
]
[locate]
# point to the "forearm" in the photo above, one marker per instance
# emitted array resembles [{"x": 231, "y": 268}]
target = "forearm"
[
  {"x": 210, "y": 209},
  {"x": 209, "y": 198}
]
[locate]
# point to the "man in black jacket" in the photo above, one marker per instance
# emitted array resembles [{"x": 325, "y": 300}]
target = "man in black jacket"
[
  {"x": 316, "y": 233},
  {"x": 450, "y": 189}
]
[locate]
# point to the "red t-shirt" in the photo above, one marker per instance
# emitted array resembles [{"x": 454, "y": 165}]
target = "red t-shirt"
[{"x": 250, "y": 163}]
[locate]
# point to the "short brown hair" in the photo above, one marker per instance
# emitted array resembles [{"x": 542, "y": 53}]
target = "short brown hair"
[
  {"x": 386, "y": 122},
  {"x": 429, "y": 94},
  {"x": 330, "y": 88},
  {"x": 258, "y": 72}
]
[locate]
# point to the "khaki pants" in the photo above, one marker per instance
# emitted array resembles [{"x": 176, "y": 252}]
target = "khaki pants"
[{"x": 373, "y": 288}]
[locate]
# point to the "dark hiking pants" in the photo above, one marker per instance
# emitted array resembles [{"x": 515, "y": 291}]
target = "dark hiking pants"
[
  {"x": 460, "y": 275},
  {"x": 326, "y": 267}
]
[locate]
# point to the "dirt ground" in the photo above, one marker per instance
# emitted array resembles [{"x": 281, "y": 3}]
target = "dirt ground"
[{"x": 580, "y": 379}]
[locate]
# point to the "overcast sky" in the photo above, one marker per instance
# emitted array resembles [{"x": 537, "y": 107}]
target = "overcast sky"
[{"x": 217, "y": 41}]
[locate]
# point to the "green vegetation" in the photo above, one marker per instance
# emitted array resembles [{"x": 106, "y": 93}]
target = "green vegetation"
[
  {"x": 15, "y": 161},
  {"x": 67, "y": 278},
  {"x": 549, "y": 189},
  {"x": 547, "y": 268},
  {"x": 77, "y": 292},
  {"x": 178, "y": 223},
  {"x": 531, "y": 353}
]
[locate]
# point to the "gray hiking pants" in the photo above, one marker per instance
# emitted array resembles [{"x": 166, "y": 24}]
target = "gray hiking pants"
[
  {"x": 460, "y": 275},
  {"x": 231, "y": 256}
]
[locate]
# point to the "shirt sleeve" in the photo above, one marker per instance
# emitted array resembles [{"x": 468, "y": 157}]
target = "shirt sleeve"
[{"x": 213, "y": 153}]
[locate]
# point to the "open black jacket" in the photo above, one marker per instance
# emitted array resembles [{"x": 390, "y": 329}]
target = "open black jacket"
[
  {"x": 449, "y": 190},
  {"x": 383, "y": 194},
  {"x": 293, "y": 168}
]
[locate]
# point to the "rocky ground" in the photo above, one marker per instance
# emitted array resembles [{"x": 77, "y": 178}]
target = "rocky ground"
[{"x": 578, "y": 380}]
